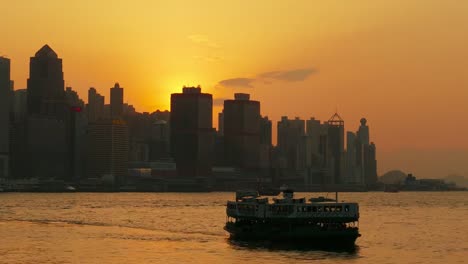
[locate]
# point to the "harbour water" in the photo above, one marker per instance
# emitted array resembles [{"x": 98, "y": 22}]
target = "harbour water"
[{"x": 406, "y": 227}]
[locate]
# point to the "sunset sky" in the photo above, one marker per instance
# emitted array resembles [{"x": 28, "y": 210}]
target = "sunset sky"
[{"x": 402, "y": 64}]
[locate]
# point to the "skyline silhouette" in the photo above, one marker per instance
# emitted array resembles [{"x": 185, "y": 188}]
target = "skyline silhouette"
[
  {"x": 401, "y": 64},
  {"x": 390, "y": 158}
]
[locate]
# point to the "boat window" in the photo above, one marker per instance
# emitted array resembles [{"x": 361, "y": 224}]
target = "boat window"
[
  {"x": 338, "y": 208},
  {"x": 326, "y": 209},
  {"x": 346, "y": 208},
  {"x": 309, "y": 208},
  {"x": 319, "y": 209},
  {"x": 314, "y": 209}
]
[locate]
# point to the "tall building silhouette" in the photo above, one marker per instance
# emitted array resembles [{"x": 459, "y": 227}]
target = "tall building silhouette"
[
  {"x": 192, "y": 132},
  {"x": 336, "y": 146},
  {"x": 363, "y": 132},
  {"x": 95, "y": 107},
  {"x": 107, "y": 149},
  {"x": 46, "y": 95},
  {"x": 242, "y": 131},
  {"x": 42, "y": 140},
  {"x": 116, "y": 101},
  {"x": 5, "y": 100},
  {"x": 291, "y": 142},
  {"x": 266, "y": 145},
  {"x": 366, "y": 154}
]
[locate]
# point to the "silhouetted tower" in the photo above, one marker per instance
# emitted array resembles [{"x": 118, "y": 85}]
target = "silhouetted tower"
[
  {"x": 242, "y": 131},
  {"x": 46, "y": 94},
  {"x": 95, "y": 107},
  {"x": 366, "y": 155},
  {"x": 336, "y": 146},
  {"x": 290, "y": 142},
  {"x": 363, "y": 132},
  {"x": 116, "y": 101},
  {"x": 5, "y": 100},
  {"x": 192, "y": 132},
  {"x": 107, "y": 146}
]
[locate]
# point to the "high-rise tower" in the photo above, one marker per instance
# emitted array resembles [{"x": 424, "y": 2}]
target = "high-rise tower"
[
  {"x": 242, "y": 131},
  {"x": 116, "y": 101},
  {"x": 5, "y": 99},
  {"x": 192, "y": 132},
  {"x": 336, "y": 146},
  {"x": 46, "y": 94}
]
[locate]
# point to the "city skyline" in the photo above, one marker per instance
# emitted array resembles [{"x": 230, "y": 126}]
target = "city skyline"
[{"x": 406, "y": 80}]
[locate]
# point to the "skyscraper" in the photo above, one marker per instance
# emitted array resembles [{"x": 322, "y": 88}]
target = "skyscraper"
[
  {"x": 336, "y": 146},
  {"x": 291, "y": 142},
  {"x": 108, "y": 150},
  {"x": 44, "y": 137},
  {"x": 366, "y": 154},
  {"x": 192, "y": 132},
  {"x": 265, "y": 143},
  {"x": 95, "y": 107},
  {"x": 46, "y": 95},
  {"x": 5, "y": 99},
  {"x": 116, "y": 101},
  {"x": 363, "y": 132},
  {"x": 242, "y": 131}
]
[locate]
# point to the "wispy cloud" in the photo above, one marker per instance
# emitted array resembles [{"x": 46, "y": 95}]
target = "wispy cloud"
[
  {"x": 290, "y": 75},
  {"x": 237, "y": 82},
  {"x": 202, "y": 40},
  {"x": 208, "y": 58},
  {"x": 295, "y": 75}
]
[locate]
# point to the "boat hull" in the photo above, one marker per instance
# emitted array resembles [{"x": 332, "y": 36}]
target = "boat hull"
[{"x": 305, "y": 234}]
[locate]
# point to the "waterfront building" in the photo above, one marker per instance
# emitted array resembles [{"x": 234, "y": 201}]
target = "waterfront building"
[
  {"x": 46, "y": 94},
  {"x": 5, "y": 99},
  {"x": 192, "y": 132},
  {"x": 336, "y": 147},
  {"x": 107, "y": 148},
  {"x": 266, "y": 146},
  {"x": 42, "y": 139},
  {"x": 95, "y": 106},
  {"x": 290, "y": 143},
  {"x": 116, "y": 101},
  {"x": 242, "y": 132}
]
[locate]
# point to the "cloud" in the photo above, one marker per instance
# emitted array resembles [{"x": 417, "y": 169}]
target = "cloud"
[
  {"x": 202, "y": 40},
  {"x": 208, "y": 58},
  {"x": 237, "y": 82},
  {"x": 289, "y": 76},
  {"x": 267, "y": 78}
]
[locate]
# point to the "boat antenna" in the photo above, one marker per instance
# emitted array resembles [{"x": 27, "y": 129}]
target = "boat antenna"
[{"x": 336, "y": 196}]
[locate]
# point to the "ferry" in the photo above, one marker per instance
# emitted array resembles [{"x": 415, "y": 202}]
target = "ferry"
[{"x": 318, "y": 221}]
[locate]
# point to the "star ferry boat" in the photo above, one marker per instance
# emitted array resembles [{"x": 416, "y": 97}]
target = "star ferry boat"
[{"x": 318, "y": 221}]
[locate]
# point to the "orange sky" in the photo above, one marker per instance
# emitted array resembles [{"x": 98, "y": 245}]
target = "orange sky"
[{"x": 402, "y": 64}]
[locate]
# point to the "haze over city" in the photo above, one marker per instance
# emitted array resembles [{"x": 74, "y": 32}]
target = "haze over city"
[{"x": 400, "y": 64}]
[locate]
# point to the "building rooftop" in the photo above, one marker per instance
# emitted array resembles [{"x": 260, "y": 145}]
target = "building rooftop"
[{"x": 46, "y": 51}]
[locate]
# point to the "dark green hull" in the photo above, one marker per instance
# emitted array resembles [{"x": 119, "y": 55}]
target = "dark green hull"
[{"x": 298, "y": 233}]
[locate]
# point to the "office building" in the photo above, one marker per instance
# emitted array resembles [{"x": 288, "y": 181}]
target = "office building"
[
  {"x": 336, "y": 147},
  {"x": 107, "y": 149},
  {"x": 242, "y": 132},
  {"x": 290, "y": 144},
  {"x": 116, "y": 101},
  {"x": 5, "y": 99},
  {"x": 46, "y": 95},
  {"x": 192, "y": 132},
  {"x": 95, "y": 107}
]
